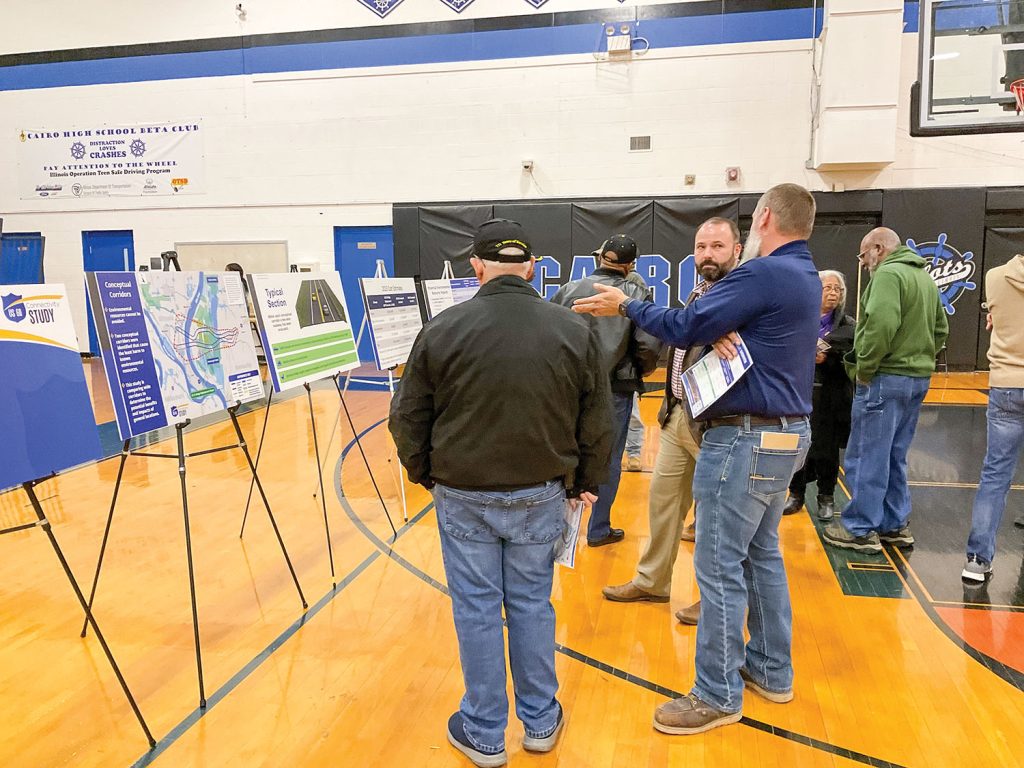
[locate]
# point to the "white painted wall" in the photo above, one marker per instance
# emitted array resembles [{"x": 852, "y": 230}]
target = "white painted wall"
[{"x": 288, "y": 157}]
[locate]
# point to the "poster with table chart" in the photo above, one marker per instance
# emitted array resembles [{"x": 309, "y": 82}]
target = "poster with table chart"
[
  {"x": 393, "y": 315},
  {"x": 304, "y": 325},
  {"x": 175, "y": 345},
  {"x": 447, "y": 292},
  {"x": 46, "y": 418}
]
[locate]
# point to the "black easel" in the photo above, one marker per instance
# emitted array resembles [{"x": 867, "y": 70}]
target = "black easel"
[
  {"x": 43, "y": 523},
  {"x": 359, "y": 444},
  {"x": 181, "y": 456},
  {"x": 319, "y": 473}
]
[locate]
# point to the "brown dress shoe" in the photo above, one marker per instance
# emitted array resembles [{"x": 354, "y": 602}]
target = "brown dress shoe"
[
  {"x": 689, "y": 615},
  {"x": 631, "y": 593},
  {"x": 690, "y": 715},
  {"x": 689, "y": 532}
]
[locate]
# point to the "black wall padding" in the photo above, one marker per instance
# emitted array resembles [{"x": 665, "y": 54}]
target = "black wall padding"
[
  {"x": 593, "y": 222},
  {"x": 446, "y": 234},
  {"x": 925, "y": 215},
  {"x": 406, "y": 221},
  {"x": 548, "y": 226}
]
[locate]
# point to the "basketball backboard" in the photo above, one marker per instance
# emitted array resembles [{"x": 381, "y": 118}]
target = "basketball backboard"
[{"x": 970, "y": 53}]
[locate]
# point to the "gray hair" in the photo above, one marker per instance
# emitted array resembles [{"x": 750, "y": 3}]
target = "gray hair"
[{"x": 842, "y": 288}]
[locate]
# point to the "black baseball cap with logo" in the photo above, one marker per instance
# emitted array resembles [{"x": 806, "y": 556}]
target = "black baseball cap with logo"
[
  {"x": 623, "y": 246},
  {"x": 502, "y": 240}
]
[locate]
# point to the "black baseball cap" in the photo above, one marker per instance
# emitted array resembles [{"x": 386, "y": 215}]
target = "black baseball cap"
[
  {"x": 623, "y": 246},
  {"x": 499, "y": 235}
]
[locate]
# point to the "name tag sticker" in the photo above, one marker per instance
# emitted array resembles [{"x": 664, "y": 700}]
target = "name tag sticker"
[{"x": 780, "y": 441}]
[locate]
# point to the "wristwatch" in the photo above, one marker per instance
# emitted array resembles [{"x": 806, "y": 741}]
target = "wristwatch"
[{"x": 623, "y": 306}]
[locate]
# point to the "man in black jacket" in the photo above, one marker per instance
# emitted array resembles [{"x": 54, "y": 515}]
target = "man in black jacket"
[
  {"x": 627, "y": 355},
  {"x": 503, "y": 412}
]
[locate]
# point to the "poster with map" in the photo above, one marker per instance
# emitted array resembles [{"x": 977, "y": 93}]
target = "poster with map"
[
  {"x": 46, "y": 416},
  {"x": 305, "y": 326},
  {"x": 175, "y": 345}
]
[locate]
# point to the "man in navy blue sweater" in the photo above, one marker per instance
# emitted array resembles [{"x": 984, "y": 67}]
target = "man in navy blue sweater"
[{"x": 756, "y": 436}]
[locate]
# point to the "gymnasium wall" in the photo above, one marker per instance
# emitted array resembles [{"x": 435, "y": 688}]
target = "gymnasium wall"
[{"x": 323, "y": 113}]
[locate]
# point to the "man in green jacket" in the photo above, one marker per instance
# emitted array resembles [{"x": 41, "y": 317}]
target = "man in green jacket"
[{"x": 902, "y": 327}]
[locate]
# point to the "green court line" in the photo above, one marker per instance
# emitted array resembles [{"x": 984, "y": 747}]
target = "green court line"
[
  {"x": 312, "y": 355},
  {"x": 320, "y": 366},
  {"x": 311, "y": 341}
]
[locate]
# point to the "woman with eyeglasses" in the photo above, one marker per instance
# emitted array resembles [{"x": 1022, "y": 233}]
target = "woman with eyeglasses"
[{"x": 832, "y": 400}]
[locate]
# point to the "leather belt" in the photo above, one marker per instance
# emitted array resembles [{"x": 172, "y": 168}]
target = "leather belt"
[{"x": 754, "y": 421}]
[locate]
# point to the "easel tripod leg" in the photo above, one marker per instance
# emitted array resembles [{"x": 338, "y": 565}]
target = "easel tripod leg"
[
  {"x": 366, "y": 461},
  {"x": 320, "y": 475},
  {"x": 232, "y": 411},
  {"x": 259, "y": 451},
  {"x": 106, "y": 532},
  {"x": 45, "y": 525},
  {"x": 188, "y": 551}
]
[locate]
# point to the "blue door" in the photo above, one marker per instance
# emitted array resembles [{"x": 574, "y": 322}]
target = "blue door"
[
  {"x": 106, "y": 251},
  {"x": 21, "y": 258},
  {"x": 356, "y": 251}
]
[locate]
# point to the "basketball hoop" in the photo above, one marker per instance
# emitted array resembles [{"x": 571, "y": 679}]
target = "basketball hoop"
[{"x": 1017, "y": 88}]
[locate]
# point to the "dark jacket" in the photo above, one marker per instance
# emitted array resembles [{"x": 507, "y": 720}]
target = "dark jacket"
[
  {"x": 833, "y": 391},
  {"x": 670, "y": 401},
  {"x": 504, "y": 391},
  {"x": 774, "y": 303},
  {"x": 628, "y": 353}
]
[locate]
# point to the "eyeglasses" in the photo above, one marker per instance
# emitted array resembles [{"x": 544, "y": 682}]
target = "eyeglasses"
[{"x": 831, "y": 289}]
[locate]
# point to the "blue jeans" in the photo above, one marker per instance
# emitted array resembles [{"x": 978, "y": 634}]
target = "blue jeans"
[
  {"x": 499, "y": 549},
  {"x": 600, "y": 524},
  {"x": 740, "y": 489},
  {"x": 635, "y": 433},
  {"x": 1005, "y": 440},
  {"x": 883, "y": 422}
]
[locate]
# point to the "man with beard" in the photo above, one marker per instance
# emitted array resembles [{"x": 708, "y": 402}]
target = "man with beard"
[
  {"x": 716, "y": 252},
  {"x": 755, "y": 436}
]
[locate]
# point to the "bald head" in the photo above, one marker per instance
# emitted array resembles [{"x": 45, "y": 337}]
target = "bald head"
[{"x": 876, "y": 247}]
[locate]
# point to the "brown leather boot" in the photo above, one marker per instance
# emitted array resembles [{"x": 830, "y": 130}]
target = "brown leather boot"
[
  {"x": 631, "y": 593},
  {"x": 690, "y": 715},
  {"x": 689, "y": 615}
]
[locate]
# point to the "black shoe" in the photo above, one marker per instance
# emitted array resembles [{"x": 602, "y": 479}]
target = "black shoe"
[
  {"x": 826, "y": 507},
  {"x": 457, "y": 738},
  {"x": 793, "y": 504},
  {"x": 614, "y": 535}
]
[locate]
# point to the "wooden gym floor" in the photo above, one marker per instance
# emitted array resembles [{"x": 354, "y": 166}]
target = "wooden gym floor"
[{"x": 896, "y": 664}]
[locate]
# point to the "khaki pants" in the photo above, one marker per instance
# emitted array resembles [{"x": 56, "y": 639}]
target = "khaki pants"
[{"x": 671, "y": 496}]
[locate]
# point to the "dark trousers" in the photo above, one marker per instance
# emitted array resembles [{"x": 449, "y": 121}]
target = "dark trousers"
[{"x": 824, "y": 469}]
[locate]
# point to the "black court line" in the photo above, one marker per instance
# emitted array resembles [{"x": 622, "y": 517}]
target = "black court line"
[
  {"x": 1007, "y": 673},
  {"x": 221, "y": 693},
  {"x": 799, "y": 738}
]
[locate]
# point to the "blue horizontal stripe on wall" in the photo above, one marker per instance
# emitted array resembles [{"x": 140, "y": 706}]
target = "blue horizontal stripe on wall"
[{"x": 783, "y": 24}]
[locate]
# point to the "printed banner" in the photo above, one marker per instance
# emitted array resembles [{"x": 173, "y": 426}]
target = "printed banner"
[
  {"x": 305, "y": 326},
  {"x": 175, "y": 345},
  {"x": 393, "y": 314},
  {"x": 46, "y": 416},
  {"x": 111, "y": 161}
]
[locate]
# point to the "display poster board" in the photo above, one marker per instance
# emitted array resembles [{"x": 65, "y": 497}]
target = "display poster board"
[
  {"x": 305, "y": 326},
  {"x": 393, "y": 314},
  {"x": 445, "y": 293},
  {"x": 175, "y": 345},
  {"x": 46, "y": 416}
]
